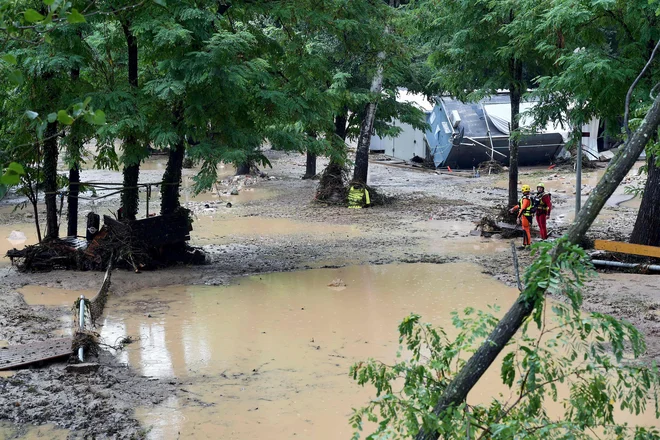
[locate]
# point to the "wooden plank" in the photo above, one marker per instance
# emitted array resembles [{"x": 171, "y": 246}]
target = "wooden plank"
[
  {"x": 19, "y": 356},
  {"x": 627, "y": 248}
]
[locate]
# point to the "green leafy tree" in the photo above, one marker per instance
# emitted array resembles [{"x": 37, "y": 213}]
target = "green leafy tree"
[{"x": 474, "y": 56}]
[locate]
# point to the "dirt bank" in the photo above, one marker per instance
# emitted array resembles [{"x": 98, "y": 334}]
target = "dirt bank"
[{"x": 273, "y": 225}]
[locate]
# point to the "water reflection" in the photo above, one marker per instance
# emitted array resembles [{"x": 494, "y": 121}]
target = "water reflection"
[{"x": 268, "y": 357}]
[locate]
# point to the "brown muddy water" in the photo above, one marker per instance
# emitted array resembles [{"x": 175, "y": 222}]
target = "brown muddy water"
[
  {"x": 268, "y": 357},
  {"x": 51, "y": 296},
  {"x": 446, "y": 237},
  {"x": 15, "y": 236},
  {"x": 218, "y": 229},
  {"x": 28, "y": 432}
]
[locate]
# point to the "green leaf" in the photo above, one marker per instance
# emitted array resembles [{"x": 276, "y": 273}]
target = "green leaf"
[
  {"x": 9, "y": 58},
  {"x": 12, "y": 174},
  {"x": 16, "y": 168},
  {"x": 99, "y": 117},
  {"x": 52, "y": 117},
  {"x": 16, "y": 76},
  {"x": 75, "y": 17},
  {"x": 48, "y": 39},
  {"x": 32, "y": 16},
  {"x": 49, "y": 2},
  {"x": 64, "y": 118},
  {"x": 30, "y": 114},
  {"x": 162, "y": 3}
]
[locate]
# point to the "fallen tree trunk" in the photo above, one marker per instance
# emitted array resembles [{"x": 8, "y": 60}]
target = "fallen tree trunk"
[{"x": 457, "y": 391}]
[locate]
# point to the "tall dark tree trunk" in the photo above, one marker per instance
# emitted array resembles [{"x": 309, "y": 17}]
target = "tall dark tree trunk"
[
  {"x": 516, "y": 90},
  {"x": 72, "y": 201},
  {"x": 457, "y": 391},
  {"x": 243, "y": 169},
  {"x": 172, "y": 179},
  {"x": 361, "y": 170},
  {"x": 50, "y": 180},
  {"x": 74, "y": 176},
  {"x": 132, "y": 150},
  {"x": 647, "y": 225},
  {"x": 332, "y": 186},
  {"x": 310, "y": 166},
  {"x": 341, "y": 126}
]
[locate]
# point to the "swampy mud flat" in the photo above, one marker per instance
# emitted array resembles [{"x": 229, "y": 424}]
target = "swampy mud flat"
[{"x": 274, "y": 226}]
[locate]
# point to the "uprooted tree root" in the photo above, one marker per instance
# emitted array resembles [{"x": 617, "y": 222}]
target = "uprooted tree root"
[
  {"x": 332, "y": 188},
  {"x": 120, "y": 247}
]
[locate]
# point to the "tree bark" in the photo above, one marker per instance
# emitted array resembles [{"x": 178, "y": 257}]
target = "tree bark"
[
  {"x": 132, "y": 149},
  {"x": 647, "y": 225},
  {"x": 172, "y": 179},
  {"x": 243, "y": 169},
  {"x": 361, "y": 169},
  {"x": 310, "y": 167},
  {"x": 457, "y": 391},
  {"x": 516, "y": 90},
  {"x": 74, "y": 176},
  {"x": 72, "y": 201},
  {"x": 50, "y": 180}
]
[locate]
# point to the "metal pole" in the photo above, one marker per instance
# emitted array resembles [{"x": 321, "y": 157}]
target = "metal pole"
[
  {"x": 148, "y": 195},
  {"x": 490, "y": 136},
  {"x": 81, "y": 322},
  {"x": 578, "y": 171}
]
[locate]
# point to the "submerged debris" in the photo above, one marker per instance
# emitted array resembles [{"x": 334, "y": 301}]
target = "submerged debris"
[{"x": 491, "y": 167}]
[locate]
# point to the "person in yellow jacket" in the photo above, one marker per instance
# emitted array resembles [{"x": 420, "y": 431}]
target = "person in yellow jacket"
[{"x": 525, "y": 215}]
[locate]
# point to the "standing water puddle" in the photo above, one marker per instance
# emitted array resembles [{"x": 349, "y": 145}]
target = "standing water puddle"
[
  {"x": 52, "y": 296},
  {"x": 15, "y": 236},
  {"x": 209, "y": 229},
  {"x": 269, "y": 357},
  {"x": 29, "y": 432}
]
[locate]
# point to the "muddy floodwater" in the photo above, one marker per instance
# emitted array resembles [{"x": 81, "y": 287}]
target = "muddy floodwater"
[
  {"x": 27, "y": 432},
  {"x": 268, "y": 357}
]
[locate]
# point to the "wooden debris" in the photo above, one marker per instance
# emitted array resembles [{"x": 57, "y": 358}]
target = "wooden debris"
[{"x": 20, "y": 356}]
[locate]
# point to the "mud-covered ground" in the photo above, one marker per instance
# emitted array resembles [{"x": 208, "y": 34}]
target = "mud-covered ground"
[{"x": 428, "y": 219}]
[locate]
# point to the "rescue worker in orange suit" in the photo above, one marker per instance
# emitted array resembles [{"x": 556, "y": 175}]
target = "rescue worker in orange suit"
[
  {"x": 543, "y": 204},
  {"x": 525, "y": 216}
]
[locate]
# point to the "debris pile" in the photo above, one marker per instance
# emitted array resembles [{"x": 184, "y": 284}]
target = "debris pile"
[{"x": 149, "y": 243}]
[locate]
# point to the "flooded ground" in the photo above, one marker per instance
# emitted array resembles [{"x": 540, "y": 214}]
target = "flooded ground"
[
  {"x": 26, "y": 432},
  {"x": 223, "y": 229},
  {"x": 446, "y": 237},
  {"x": 269, "y": 356},
  {"x": 15, "y": 236},
  {"x": 51, "y": 296}
]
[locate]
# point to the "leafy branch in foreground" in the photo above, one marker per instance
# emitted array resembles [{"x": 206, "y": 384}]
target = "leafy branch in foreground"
[{"x": 564, "y": 377}]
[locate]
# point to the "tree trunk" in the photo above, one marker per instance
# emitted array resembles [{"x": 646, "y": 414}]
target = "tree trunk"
[
  {"x": 457, "y": 391},
  {"x": 331, "y": 185},
  {"x": 310, "y": 167},
  {"x": 132, "y": 150},
  {"x": 72, "y": 201},
  {"x": 50, "y": 180},
  {"x": 341, "y": 126},
  {"x": 361, "y": 169},
  {"x": 172, "y": 179},
  {"x": 647, "y": 225},
  {"x": 516, "y": 94},
  {"x": 243, "y": 169},
  {"x": 74, "y": 176}
]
